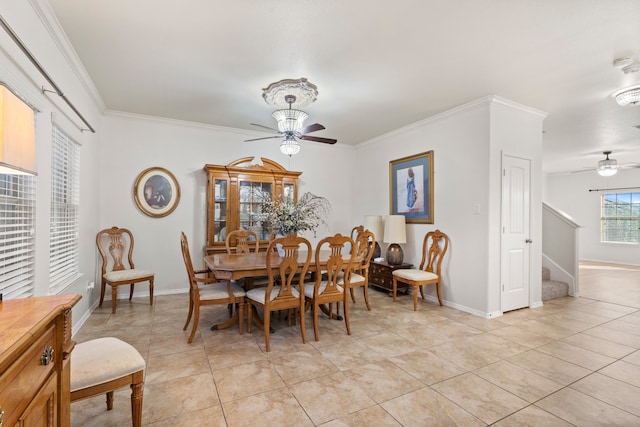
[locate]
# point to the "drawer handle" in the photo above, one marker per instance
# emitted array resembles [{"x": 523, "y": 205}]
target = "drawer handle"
[
  {"x": 1, "y": 415},
  {"x": 47, "y": 356}
]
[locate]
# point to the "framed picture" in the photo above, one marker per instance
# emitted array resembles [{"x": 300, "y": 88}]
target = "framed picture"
[
  {"x": 411, "y": 188},
  {"x": 156, "y": 192}
]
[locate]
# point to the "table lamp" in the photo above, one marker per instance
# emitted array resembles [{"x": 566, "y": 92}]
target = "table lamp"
[
  {"x": 373, "y": 223},
  {"x": 395, "y": 232}
]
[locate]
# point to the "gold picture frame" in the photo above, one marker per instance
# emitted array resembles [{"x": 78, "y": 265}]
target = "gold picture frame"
[
  {"x": 411, "y": 188},
  {"x": 156, "y": 192}
]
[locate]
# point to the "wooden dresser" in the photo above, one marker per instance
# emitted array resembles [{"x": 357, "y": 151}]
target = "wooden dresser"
[
  {"x": 381, "y": 275},
  {"x": 35, "y": 345}
]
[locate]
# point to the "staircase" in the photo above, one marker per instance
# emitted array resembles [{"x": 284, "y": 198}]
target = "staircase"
[{"x": 552, "y": 289}]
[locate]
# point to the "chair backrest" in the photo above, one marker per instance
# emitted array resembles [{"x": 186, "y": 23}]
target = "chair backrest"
[
  {"x": 365, "y": 245},
  {"x": 337, "y": 268},
  {"x": 186, "y": 256},
  {"x": 239, "y": 242},
  {"x": 289, "y": 272},
  {"x": 355, "y": 232},
  {"x": 434, "y": 247},
  {"x": 116, "y": 249}
]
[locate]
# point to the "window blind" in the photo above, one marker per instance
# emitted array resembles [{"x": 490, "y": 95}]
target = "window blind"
[
  {"x": 65, "y": 196},
  {"x": 17, "y": 235}
]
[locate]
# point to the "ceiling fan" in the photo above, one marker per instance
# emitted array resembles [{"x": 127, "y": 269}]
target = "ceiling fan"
[
  {"x": 609, "y": 167},
  {"x": 290, "y": 126}
]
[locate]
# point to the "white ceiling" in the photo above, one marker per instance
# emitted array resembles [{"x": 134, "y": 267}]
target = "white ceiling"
[{"x": 378, "y": 65}]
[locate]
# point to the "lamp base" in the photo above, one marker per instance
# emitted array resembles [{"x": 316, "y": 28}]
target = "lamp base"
[
  {"x": 394, "y": 255},
  {"x": 376, "y": 251}
]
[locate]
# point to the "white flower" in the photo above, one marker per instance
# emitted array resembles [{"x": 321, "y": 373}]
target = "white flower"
[{"x": 286, "y": 216}]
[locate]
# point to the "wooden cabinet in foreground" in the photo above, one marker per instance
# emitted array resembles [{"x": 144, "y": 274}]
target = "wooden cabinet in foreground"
[
  {"x": 235, "y": 193},
  {"x": 35, "y": 349}
]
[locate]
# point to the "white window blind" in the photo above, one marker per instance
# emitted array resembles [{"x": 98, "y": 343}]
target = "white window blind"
[
  {"x": 620, "y": 217},
  {"x": 17, "y": 235},
  {"x": 65, "y": 196}
]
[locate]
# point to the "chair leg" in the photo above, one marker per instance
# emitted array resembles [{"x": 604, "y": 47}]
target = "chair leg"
[
  {"x": 114, "y": 299},
  {"x": 249, "y": 316},
  {"x": 415, "y": 298},
  {"x": 184, "y": 328},
  {"x": 315, "y": 321},
  {"x": 103, "y": 285},
  {"x": 395, "y": 288},
  {"x": 196, "y": 318},
  {"x": 438, "y": 291},
  {"x": 109, "y": 400},
  {"x": 422, "y": 290},
  {"x": 365, "y": 291},
  {"x": 151, "y": 292},
  {"x": 131, "y": 291},
  {"x": 353, "y": 297},
  {"x": 346, "y": 313},
  {"x": 136, "y": 403},
  {"x": 302, "y": 329},
  {"x": 266, "y": 321},
  {"x": 241, "y": 307}
]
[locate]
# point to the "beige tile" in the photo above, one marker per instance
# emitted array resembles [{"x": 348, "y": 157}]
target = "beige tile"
[
  {"x": 522, "y": 336},
  {"x": 494, "y": 344},
  {"x": 550, "y": 367},
  {"x": 330, "y": 397},
  {"x": 383, "y": 380},
  {"x": 425, "y": 407},
  {"x": 247, "y": 379},
  {"x": 92, "y": 412},
  {"x": 517, "y": 380},
  {"x": 175, "y": 397},
  {"x": 298, "y": 366},
  {"x": 532, "y": 416},
  {"x": 461, "y": 354},
  {"x": 616, "y": 336},
  {"x": 427, "y": 367},
  {"x": 633, "y": 358},
  {"x": 374, "y": 416},
  {"x": 576, "y": 355},
  {"x": 208, "y": 417},
  {"x": 177, "y": 365},
  {"x": 350, "y": 356},
  {"x": 583, "y": 410},
  {"x": 618, "y": 393},
  {"x": 273, "y": 408},
  {"x": 623, "y": 371},
  {"x": 483, "y": 399},
  {"x": 599, "y": 345},
  {"x": 389, "y": 344},
  {"x": 550, "y": 330}
]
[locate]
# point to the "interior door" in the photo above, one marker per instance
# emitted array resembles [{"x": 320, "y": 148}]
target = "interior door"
[{"x": 516, "y": 177}]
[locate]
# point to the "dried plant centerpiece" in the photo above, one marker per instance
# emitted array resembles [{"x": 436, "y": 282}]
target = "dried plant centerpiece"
[{"x": 287, "y": 216}]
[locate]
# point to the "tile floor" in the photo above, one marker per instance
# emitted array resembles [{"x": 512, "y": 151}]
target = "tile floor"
[{"x": 574, "y": 361}]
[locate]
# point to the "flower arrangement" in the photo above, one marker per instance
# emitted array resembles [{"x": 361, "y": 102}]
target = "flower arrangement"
[{"x": 287, "y": 216}]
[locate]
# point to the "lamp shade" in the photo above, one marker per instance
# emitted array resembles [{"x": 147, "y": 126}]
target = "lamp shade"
[
  {"x": 373, "y": 223},
  {"x": 17, "y": 135},
  {"x": 395, "y": 230}
]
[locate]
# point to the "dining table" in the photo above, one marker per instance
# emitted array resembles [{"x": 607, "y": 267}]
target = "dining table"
[{"x": 233, "y": 266}]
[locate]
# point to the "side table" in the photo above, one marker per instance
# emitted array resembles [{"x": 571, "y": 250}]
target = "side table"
[{"x": 381, "y": 276}]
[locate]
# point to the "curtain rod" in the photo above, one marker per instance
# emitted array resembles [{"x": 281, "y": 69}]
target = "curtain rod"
[
  {"x": 614, "y": 189},
  {"x": 35, "y": 62}
]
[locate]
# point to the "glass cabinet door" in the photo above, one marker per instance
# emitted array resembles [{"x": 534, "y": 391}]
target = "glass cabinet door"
[
  {"x": 220, "y": 210},
  {"x": 252, "y": 197}
]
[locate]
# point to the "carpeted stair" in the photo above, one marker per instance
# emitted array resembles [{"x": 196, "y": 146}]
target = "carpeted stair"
[{"x": 552, "y": 289}]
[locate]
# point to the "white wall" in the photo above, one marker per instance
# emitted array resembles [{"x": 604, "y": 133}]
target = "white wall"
[{"x": 570, "y": 193}]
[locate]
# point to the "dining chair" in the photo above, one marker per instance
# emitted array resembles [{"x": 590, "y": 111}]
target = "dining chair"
[
  {"x": 205, "y": 290},
  {"x": 326, "y": 289},
  {"x": 103, "y": 365},
  {"x": 434, "y": 247},
  {"x": 365, "y": 245},
  {"x": 285, "y": 289},
  {"x": 115, "y": 246},
  {"x": 242, "y": 242},
  {"x": 355, "y": 232}
]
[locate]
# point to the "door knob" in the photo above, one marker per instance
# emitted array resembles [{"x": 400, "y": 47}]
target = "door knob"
[{"x": 528, "y": 241}]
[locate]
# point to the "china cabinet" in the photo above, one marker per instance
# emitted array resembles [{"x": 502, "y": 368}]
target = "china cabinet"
[{"x": 235, "y": 194}]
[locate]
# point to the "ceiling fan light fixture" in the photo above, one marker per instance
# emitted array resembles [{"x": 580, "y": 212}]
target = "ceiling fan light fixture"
[
  {"x": 290, "y": 120},
  {"x": 607, "y": 167},
  {"x": 289, "y": 146},
  {"x": 628, "y": 96}
]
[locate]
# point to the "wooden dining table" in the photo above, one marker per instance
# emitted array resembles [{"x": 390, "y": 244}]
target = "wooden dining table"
[{"x": 227, "y": 266}]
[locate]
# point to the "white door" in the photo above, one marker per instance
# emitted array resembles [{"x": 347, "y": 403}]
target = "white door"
[{"x": 516, "y": 175}]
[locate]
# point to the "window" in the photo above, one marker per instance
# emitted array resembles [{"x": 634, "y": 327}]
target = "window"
[
  {"x": 620, "y": 218},
  {"x": 17, "y": 235},
  {"x": 65, "y": 180}
]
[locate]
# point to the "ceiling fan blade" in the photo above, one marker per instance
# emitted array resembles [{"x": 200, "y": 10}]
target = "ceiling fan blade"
[
  {"x": 266, "y": 137},
  {"x": 263, "y": 126},
  {"x": 311, "y": 128},
  {"x": 629, "y": 166},
  {"x": 318, "y": 139}
]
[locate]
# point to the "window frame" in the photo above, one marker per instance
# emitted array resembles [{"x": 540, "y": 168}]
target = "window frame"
[{"x": 623, "y": 221}]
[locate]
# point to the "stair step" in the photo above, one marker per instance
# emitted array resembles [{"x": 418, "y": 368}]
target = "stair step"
[
  {"x": 546, "y": 274},
  {"x": 552, "y": 289}
]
